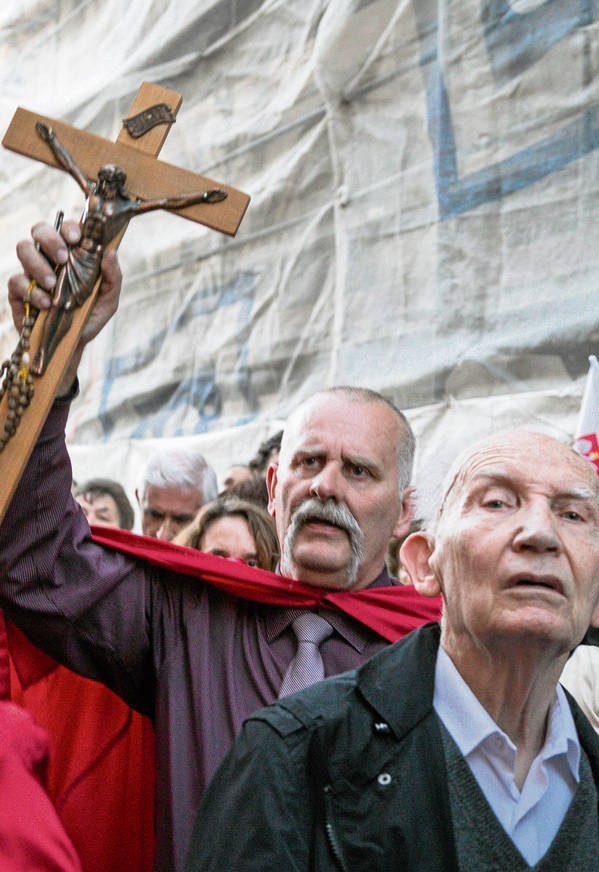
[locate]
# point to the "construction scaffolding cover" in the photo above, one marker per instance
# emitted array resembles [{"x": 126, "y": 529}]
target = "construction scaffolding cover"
[{"x": 424, "y": 179}]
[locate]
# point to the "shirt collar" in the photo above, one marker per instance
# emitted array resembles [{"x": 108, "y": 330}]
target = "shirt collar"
[
  {"x": 277, "y": 619},
  {"x": 470, "y": 724}
]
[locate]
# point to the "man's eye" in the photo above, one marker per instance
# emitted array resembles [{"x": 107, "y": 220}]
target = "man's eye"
[
  {"x": 572, "y": 515},
  {"x": 252, "y": 562},
  {"x": 309, "y": 461},
  {"x": 358, "y": 470},
  {"x": 495, "y": 503}
]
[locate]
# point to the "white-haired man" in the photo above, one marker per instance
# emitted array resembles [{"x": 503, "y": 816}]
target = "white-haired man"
[{"x": 176, "y": 483}]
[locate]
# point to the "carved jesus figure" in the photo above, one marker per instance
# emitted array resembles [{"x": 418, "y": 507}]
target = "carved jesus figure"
[{"x": 108, "y": 208}]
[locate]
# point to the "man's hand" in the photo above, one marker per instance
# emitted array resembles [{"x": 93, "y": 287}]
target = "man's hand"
[
  {"x": 36, "y": 255},
  {"x": 46, "y": 247}
]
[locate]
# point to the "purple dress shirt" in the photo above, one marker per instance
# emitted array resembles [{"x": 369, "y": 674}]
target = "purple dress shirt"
[{"x": 194, "y": 659}]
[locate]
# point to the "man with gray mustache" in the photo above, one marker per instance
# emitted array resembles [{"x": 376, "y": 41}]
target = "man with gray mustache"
[
  {"x": 330, "y": 513},
  {"x": 340, "y": 488},
  {"x": 193, "y": 658}
]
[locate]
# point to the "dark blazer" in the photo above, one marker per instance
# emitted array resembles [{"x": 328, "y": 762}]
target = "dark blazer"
[{"x": 348, "y": 775}]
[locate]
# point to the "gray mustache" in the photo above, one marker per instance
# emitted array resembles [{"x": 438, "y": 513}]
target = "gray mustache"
[{"x": 330, "y": 512}]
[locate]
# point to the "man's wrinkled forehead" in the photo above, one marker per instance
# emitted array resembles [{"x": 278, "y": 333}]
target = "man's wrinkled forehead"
[
  {"x": 310, "y": 416},
  {"x": 335, "y": 416},
  {"x": 501, "y": 457}
]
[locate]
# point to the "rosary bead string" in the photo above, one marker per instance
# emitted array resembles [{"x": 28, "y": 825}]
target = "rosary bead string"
[{"x": 15, "y": 377}]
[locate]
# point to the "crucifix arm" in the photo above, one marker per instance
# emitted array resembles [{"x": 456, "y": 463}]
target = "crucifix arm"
[
  {"x": 215, "y": 195},
  {"x": 64, "y": 158}
]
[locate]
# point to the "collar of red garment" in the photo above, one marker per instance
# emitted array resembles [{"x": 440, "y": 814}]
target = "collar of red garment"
[{"x": 390, "y": 611}]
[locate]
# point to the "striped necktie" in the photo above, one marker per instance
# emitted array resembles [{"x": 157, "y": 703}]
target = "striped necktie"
[{"x": 307, "y": 667}]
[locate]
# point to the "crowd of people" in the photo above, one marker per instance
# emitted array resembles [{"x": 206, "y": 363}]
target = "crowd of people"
[{"x": 319, "y": 715}]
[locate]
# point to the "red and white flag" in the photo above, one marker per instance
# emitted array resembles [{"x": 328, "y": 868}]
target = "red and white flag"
[{"x": 587, "y": 431}]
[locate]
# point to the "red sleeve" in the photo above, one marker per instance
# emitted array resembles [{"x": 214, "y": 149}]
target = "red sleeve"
[{"x": 31, "y": 835}]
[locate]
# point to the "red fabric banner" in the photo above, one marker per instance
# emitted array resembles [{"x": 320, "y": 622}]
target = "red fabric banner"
[{"x": 390, "y": 611}]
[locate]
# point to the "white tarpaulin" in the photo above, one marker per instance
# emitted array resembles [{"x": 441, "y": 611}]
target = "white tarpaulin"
[{"x": 424, "y": 178}]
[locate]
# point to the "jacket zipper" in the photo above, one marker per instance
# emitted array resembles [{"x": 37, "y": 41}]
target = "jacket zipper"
[{"x": 330, "y": 831}]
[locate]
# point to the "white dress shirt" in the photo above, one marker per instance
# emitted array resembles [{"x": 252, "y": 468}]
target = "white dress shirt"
[{"x": 532, "y": 816}]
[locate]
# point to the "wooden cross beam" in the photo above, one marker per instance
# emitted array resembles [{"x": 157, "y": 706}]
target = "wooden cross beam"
[{"x": 147, "y": 179}]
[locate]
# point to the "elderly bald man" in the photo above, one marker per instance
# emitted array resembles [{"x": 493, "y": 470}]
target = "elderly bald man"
[{"x": 456, "y": 748}]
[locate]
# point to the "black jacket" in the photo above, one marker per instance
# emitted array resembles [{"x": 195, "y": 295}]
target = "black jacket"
[{"x": 348, "y": 775}]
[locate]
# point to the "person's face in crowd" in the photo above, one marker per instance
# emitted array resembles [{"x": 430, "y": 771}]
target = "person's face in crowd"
[
  {"x": 335, "y": 492},
  {"x": 236, "y": 475},
  {"x": 231, "y": 537},
  {"x": 516, "y": 551},
  {"x": 166, "y": 510},
  {"x": 100, "y": 509}
]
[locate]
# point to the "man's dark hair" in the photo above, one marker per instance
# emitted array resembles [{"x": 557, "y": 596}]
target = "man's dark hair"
[
  {"x": 254, "y": 490},
  {"x": 261, "y": 459},
  {"x": 97, "y": 487}
]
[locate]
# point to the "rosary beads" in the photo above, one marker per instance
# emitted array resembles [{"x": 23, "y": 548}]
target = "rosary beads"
[{"x": 15, "y": 378}]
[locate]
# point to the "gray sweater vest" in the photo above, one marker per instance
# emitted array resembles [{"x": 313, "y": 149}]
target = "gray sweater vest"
[{"x": 483, "y": 845}]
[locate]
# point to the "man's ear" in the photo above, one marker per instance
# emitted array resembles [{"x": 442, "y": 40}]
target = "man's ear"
[
  {"x": 271, "y": 485},
  {"x": 415, "y": 557},
  {"x": 406, "y": 514}
]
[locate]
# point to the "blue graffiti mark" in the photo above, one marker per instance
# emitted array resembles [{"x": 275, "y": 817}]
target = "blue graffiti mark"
[
  {"x": 515, "y": 41},
  {"x": 156, "y": 407},
  {"x": 243, "y": 378}
]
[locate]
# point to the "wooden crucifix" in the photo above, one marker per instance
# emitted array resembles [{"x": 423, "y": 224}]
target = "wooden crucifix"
[{"x": 150, "y": 184}]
